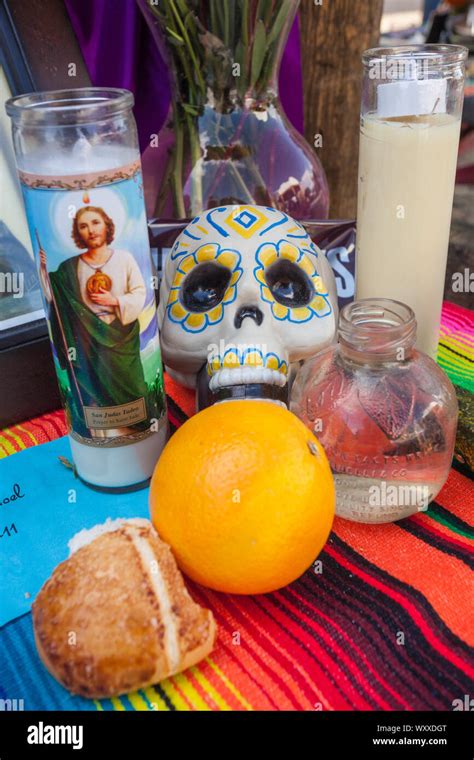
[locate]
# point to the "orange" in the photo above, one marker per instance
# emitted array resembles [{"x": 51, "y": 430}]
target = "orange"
[{"x": 244, "y": 495}]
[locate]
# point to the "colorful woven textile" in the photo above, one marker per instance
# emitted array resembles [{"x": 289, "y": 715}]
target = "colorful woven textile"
[
  {"x": 388, "y": 623},
  {"x": 456, "y": 346}
]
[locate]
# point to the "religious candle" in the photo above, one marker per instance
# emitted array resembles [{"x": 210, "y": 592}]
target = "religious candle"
[
  {"x": 409, "y": 135},
  {"x": 79, "y": 168}
]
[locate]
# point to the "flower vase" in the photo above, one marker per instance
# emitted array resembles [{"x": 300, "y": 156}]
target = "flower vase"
[{"x": 227, "y": 139}]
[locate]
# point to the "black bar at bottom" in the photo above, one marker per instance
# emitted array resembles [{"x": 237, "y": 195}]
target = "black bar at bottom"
[{"x": 371, "y": 734}]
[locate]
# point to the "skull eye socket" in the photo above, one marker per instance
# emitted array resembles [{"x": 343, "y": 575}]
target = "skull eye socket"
[
  {"x": 289, "y": 284},
  {"x": 205, "y": 286}
]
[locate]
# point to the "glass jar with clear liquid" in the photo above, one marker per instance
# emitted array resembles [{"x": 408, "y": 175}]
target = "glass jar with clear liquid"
[{"x": 385, "y": 413}]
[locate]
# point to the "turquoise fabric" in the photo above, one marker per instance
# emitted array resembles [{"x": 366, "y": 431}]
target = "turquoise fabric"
[{"x": 42, "y": 505}]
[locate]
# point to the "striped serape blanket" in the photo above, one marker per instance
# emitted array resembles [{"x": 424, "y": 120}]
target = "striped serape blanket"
[
  {"x": 389, "y": 625},
  {"x": 456, "y": 346}
]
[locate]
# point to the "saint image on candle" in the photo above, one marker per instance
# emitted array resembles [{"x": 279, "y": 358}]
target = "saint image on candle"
[{"x": 99, "y": 295}]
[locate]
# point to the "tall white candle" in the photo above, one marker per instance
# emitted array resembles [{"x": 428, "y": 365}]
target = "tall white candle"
[
  {"x": 407, "y": 168},
  {"x": 409, "y": 134}
]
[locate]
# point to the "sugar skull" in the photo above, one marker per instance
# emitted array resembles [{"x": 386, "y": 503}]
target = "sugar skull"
[{"x": 245, "y": 294}]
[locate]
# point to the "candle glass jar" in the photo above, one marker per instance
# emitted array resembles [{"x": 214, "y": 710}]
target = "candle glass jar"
[
  {"x": 411, "y": 110},
  {"x": 385, "y": 413},
  {"x": 79, "y": 168}
]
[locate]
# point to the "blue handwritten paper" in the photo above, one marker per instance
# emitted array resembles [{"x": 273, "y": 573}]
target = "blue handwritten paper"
[{"x": 42, "y": 505}]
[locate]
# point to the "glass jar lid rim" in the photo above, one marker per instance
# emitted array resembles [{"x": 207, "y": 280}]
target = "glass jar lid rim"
[
  {"x": 377, "y": 327},
  {"x": 96, "y": 102},
  {"x": 374, "y": 308},
  {"x": 436, "y": 54}
]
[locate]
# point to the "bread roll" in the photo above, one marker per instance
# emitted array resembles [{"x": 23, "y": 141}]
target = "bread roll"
[{"x": 116, "y": 616}]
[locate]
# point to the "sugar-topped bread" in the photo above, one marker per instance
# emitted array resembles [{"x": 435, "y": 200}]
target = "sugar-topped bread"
[{"x": 116, "y": 616}]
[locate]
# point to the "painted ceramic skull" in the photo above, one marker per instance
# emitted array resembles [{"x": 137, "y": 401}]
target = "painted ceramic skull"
[{"x": 245, "y": 293}]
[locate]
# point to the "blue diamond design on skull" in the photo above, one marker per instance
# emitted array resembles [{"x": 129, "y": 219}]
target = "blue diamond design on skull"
[{"x": 245, "y": 219}]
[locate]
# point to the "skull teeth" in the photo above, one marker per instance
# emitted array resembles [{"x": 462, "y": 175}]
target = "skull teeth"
[
  {"x": 251, "y": 357},
  {"x": 246, "y": 376}
]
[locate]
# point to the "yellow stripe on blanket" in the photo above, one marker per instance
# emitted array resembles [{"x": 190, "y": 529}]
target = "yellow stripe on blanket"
[
  {"x": 229, "y": 684},
  {"x": 7, "y": 446},
  {"x": 209, "y": 689},
  {"x": 190, "y": 691}
]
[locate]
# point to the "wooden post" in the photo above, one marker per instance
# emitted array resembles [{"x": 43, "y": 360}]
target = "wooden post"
[
  {"x": 334, "y": 33},
  {"x": 49, "y": 45}
]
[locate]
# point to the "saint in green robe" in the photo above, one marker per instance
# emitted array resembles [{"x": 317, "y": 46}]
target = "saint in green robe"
[{"x": 107, "y": 365}]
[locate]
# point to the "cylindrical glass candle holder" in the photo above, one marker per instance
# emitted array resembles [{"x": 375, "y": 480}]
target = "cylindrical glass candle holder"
[
  {"x": 385, "y": 413},
  {"x": 409, "y": 134},
  {"x": 79, "y": 166}
]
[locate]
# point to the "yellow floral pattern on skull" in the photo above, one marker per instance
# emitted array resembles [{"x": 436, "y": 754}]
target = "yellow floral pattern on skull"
[
  {"x": 317, "y": 305},
  {"x": 225, "y": 262}
]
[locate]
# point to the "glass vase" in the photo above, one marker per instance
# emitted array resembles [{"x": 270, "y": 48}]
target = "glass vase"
[{"x": 227, "y": 139}]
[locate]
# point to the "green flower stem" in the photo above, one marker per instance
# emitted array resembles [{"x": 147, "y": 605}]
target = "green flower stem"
[
  {"x": 197, "y": 70},
  {"x": 218, "y": 23},
  {"x": 226, "y": 35},
  {"x": 161, "y": 197},
  {"x": 244, "y": 56},
  {"x": 177, "y": 174},
  {"x": 233, "y": 139},
  {"x": 196, "y": 167},
  {"x": 230, "y": 164},
  {"x": 240, "y": 181},
  {"x": 207, "y": 36}
]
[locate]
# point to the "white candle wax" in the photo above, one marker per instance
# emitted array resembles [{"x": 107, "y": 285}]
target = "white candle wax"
[
  {"x": 407, "y": 169},
  {"x": 52, "y": 160}
]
